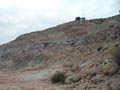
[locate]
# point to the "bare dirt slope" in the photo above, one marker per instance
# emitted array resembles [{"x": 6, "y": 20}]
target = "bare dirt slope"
[{"x": 82, "y": 50}]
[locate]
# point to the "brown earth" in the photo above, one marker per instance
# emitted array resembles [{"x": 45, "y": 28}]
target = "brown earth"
[{"x": 80, "y": 49}]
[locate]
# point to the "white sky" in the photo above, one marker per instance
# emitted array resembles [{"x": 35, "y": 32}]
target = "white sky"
[{"x": 22, "y": 16}]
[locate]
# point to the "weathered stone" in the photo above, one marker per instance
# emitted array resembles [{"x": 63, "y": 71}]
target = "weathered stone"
[
  {"x": 68, "y": 81},
  {"x": 73, "y": 78},
  {"x": 97, "y": 79},
  {"x": 74, "y": 68},
  {"x": 103, "y": 87},
  {"x": 109, "y": 68}
]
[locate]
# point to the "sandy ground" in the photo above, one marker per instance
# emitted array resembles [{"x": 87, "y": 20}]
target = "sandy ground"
[
  {"x": 28, "y": 80},
  {"x": 31, "y": 85}
]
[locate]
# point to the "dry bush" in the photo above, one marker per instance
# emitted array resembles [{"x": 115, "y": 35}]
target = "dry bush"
[
  {"x": 58, "y": 77},
  {"x": 116, "y": 55}
]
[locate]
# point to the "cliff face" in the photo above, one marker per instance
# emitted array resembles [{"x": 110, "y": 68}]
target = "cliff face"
[{"x": 76, "y": 34}]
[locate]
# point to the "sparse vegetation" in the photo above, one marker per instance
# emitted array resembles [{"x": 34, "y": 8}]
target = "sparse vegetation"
[
  {"x": 116, "y": 55},
  {"x": 23, "y": 61},
  {"x": 98, "y": 21},
  {"x": 40, "y": 58},
  {"x": 58, "y": 77}
]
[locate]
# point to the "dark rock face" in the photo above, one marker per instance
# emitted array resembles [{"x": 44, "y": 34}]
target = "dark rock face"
[{"x": 30, "y": 47}]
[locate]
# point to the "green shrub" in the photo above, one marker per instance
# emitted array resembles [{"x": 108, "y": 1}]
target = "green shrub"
[
  {"x": 58, "y": 77},
  {"x": 77, "y": 19}
]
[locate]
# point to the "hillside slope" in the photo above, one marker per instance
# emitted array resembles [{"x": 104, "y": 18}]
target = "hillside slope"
[{"x": 77, "y": 48}]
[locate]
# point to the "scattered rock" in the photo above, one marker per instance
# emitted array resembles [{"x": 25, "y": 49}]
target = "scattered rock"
[
  {"x": 109, "y": 67},
  {"x": 67, "y": 65},
  {"x": 103, "y": 87},
  {"x": 97, "y": 79},
  {"x": 75, "y": 68},
  {"x": 68, "y": 81},
  {"x": 73, "y": 78}
]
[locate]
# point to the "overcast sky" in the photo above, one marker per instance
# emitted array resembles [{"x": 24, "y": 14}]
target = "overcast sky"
[{"x": 22, "y": 16}]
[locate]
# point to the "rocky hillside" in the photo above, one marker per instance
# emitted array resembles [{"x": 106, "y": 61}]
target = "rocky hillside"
[{"x": 81, "y": 49}]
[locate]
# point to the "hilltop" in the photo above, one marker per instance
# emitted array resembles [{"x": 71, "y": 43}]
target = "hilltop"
[{"x": 80, "y": 49}]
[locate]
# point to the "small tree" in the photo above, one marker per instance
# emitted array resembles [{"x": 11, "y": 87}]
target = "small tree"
[{"x": 77, "y": 19}]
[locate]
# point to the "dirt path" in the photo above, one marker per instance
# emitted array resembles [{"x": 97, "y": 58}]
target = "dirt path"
[
  {"x": 28, "y": 80},
  {"x": 34, "y": 85}
]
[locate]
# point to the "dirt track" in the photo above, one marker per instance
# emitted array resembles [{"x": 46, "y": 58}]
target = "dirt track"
[{"x": 29, "y": 80}]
